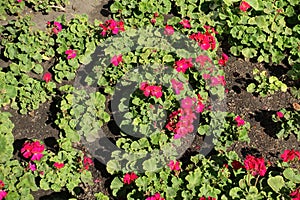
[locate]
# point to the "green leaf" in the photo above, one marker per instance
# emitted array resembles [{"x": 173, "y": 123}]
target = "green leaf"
[
  {"x": 291, "y": 174},
  {"x": 150, "y": 165},
  {"x": 249, "y": 52},
  {"x": 276, "y": 183},
  {"x": 251, "y": 88},
  {"x": 116, "y": 185},
  {"x": 254, "y": 4}
]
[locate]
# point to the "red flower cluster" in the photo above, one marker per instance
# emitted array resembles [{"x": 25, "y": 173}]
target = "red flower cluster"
[
  {"x": 33, "y": 150},
  {"x": 205, "y": 40},
  {"x": 153, "y": 20},
  {"x": 169, "y": 30},
  {"x": 237, "y": 165},
  {"x": 295, "y": 194},
  {"x": 183, "y": 64},
  {"x": 255, "y": 165},
  {"x": 174, "y": 166},
  {"x": 87, "y": 162},
  {"x": 289, "y": 155},
  {"x": 244, "y": 6},
  {"x": 58, "y": 165},
  {"x": 223, "y": 60},
  {"x": 208, "y": 198},
  {"x": 115, "y": 60},
  {"x": 151, "y": 90},
  {"x": 112, "y": 26},
  {"x": 129, "y": 178},
  {"x": 155, "y": 197},
  {"x": 70, "y": 53},
  {"x": 47, "y": 77}
]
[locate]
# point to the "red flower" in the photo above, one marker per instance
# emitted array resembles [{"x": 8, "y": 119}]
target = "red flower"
[
  {"x": 244, "y": 6},
  {"x": 279, "y": 114},
  {"x": 223, "y": 60},
  {"x": 185, "y": 23},
  {"x": 47, "y": 77},
  {"x": 151, "y": 90},
  {"x": 295, "y": 194},
  {"x": 169, "y": 30},
  {"x": 208, "y": 198},
  {"x": 87, "y": 162},
  {"x": 57, "y": 27},
  {"x": 205, "y": 40},
  {"x": 174, "y": 166},
  {"x": 289, "y": 155},
  {"x": 70, "y": 53},
  {"x": 112, "y": 26},
  {"x": 129, "y": 178},
  {"x": 32, "y": 166},
  {"x": 1, "y": 184},
  {"x": 58, "y": 165},
  {"x": 236, "y": 165},
  {"x": 155, "y": 197},
  {"x": 239, "y": 121},
  {"x": 116, "y": 60},
  {"x": 255, "y": 165}
]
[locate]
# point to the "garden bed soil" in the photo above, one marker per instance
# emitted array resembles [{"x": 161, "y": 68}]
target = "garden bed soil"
[{"x": 254, "y": 109}]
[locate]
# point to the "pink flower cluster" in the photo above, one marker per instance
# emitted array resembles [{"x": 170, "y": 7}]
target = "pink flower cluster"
[
  {"x": 155, "y": 197},
  {"x": 290, "y": 155},
  {"x": 255, "y": 165},
  {"x": 129, "y": 178},
  {"x": 217, "y": 80},
  {"x": 244, "y": 6},
  {"x": 177, "y": 86},
  {"x": 57, "y": 27},
  {"x": 70, "y": 53},
  {"x": 183, "y": 64},
  {"x": 116, "y": 60},
  {"x": 174, "y": 166},
  {"x": 33, "y": 150},
  {"x": 185, "y": 23},
  {"x": 205, "y": 40},
  {"x": 151, "y": 90},
  {"x": 3, "y": 193},
  {"x": 112, "y": 26},
  {"x": 239, "y": 121}
]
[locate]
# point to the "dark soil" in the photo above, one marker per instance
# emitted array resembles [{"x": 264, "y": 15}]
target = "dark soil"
[{"x": 254, "y": 109}]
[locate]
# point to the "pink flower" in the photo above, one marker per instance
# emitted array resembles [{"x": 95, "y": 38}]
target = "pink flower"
[
  {"x": 70, "y": 53},
  {"x": 112, "y": 26},
  {"x": 58, "y": 165},
  {"x": 219, "y": 80},
  {"x": 295, "y": 194},
  {"x": 57, "y": 27},
  {"x": 129, "y": 178},
  {"x": 169, "y": 30},
  {"x": 155, "y": 197},
  {"x": 244, "y": 6},
  {"x": 177, "y": 86},
  {"x": 255, "y": 165},
  {"x": 116, "y": 60},
  {"x": 187, "y": 103},
  {"x": 32, "y": 166},
  {"x": 47, "y": 77},
  {"x": 205, "y": 40},
  {"x": 185, "y": 23},
  {"x": 206, "y": 76},
  {"x": 19, "y": 1},
  {"x": 174, "y": 166},
  {"x": 183, "y": 64},
  {"x": 223, "y": 60},
  {"x": 156, "y": 91},
  {"x": 202, "y": 59},
  {"x": 279, "y": 114},
  {"x": 289, "y": 155},
  {"x": 2, "y": 194},
  {"x": 87, "y": 162},
  {"x": 236, "y": 165},
  {"x": 151, "y": 90},
  {"x": 32, "y": 150},
  {"x": 239, "y": 121}
]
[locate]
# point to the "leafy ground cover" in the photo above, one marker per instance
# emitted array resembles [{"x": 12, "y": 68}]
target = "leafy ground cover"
[{"x": 157, "y": 100}]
